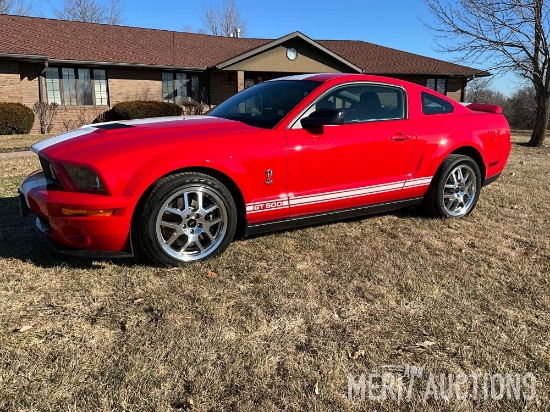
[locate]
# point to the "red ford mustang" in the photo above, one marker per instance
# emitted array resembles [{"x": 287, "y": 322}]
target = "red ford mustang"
[{"x": 288, "y": 152}]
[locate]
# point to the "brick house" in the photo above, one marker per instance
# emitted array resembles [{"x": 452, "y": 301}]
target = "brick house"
[{"x": 87, "y": 68}]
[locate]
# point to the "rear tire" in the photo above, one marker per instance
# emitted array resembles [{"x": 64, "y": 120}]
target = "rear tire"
[
  {"x": 186, "y": 217},
  {"x": 454, "y": 191}
]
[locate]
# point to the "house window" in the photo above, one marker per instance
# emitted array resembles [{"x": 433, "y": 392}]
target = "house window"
[
  {"x": 179, "y": 87},
  {"x": 85, "y": 87},
  {"x": 53, "y": 89},
  {"x": 71, "y": 86},
  {"x": 439, "y": 85},
  {"x": 100, "y": 88}
]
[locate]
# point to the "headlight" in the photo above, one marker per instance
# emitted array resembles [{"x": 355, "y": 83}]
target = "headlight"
[{"x": 85, "y": 179}]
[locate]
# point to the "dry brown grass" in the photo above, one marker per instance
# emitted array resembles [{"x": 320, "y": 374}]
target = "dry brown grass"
[
  {"x": 285, "y": 310},
  {"x": 16, "y": 142}
]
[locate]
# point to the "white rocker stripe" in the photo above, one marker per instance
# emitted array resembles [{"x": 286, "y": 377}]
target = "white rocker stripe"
[
  {"x": 423, "y": 181},
  {"x": 260, "y": 207},
  {"x": 345, "y": 194}
]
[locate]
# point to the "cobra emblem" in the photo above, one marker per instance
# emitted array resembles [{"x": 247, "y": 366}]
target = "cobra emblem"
[{"x": 268, "y": 173}]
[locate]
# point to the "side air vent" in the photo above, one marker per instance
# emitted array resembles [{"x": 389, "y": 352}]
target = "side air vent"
[{"x": 48, "y": 170}]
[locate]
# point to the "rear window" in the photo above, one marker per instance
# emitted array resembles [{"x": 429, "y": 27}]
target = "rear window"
[{"x": 435, "y": 105}]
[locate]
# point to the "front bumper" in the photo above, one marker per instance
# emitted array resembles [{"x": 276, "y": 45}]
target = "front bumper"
[{"x": 95, "y": 236}]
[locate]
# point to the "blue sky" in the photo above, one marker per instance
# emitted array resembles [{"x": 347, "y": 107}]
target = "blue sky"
[{"x": 394, "y": 23}]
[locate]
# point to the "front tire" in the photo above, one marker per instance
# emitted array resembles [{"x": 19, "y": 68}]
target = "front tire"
[
  {"x": 455, "y": 189},
  {"x": 186, "y": 217}
]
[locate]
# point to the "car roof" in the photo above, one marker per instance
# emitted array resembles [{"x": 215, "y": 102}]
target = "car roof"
[{"x": 324, "y": 77}]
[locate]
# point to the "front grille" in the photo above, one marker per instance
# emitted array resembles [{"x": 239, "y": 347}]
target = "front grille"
[{"x": 48, "y": 170}]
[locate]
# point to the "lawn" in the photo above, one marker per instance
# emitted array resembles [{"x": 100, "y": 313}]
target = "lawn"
[
  {"x": 17, "y": 142},
  {"x": 279, "y": 321}
]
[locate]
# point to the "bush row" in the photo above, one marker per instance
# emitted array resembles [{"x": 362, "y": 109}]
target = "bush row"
[
  {"x": 15, "y": 118},
  {"x": 139, "y": 110}
]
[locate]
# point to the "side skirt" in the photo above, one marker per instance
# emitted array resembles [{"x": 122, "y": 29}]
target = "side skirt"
[{"x": 315, "y": 219}]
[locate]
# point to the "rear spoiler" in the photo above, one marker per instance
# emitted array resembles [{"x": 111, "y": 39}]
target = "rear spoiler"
[{"x": 483, "y": 107}]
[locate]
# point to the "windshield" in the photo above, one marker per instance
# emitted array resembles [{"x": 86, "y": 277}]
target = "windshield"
[{"x": 265, "y": 104}]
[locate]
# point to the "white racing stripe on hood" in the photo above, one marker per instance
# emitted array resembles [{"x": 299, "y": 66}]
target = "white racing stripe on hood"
[
  {"x": 89, "y": 128},
  {"x": 294, "y": 77},
  {"x": 37, "y": 147}
]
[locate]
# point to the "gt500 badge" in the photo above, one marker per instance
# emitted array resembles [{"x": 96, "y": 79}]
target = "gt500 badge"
[{"x": 265, "y": 206}]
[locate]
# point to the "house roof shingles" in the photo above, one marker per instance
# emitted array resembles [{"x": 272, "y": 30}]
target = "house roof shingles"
[
  {"x": 375, "y": 59},
  {"x": 69, "y": 40}
]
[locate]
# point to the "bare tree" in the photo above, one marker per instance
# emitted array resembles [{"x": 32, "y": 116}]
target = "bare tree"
[
  {"x": 521, "y": 108},
  {"x": 46, "y": 113},
  {"x": 18, "y": 7},
  {"x": 511, "y": 35},
  {"x": 91, "y": 11},
  {"x": 479, "y": 90},
  {"x": 224, "y": 20}
]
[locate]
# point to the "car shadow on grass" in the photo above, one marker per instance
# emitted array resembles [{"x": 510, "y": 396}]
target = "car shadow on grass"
[
  {"x": 405, "y": 213},
  {"x": 19, "y": 241}
]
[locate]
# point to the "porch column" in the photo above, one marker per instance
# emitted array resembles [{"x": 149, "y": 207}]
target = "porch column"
[{"x": 240, "y": 81}]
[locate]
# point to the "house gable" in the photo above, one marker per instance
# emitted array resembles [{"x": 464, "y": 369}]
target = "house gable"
[
  {"x": 310, "y": 59},
  {"x": 272, "y": 57}
]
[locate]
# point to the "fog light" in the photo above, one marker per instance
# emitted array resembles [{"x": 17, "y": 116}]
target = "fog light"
[{"x": 85, "y": 212}]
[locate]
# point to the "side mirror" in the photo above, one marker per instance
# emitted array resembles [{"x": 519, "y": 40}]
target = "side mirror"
[{"x": 323, "y": 117}]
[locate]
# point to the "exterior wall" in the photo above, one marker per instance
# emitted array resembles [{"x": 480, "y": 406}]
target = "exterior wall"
[
  {"x": 9, "y": 82},
  {"x": 29, "y": 84},
  {"x": 240, "y": 81},
  {"x": 456, "y": 88},
  {"x": 72, "y": 117},
  {"x": 223, "y": 85},
  {"x": 310, "y": 60},
  {"x": 421, "y": 80},
  {"x": 19, "y": 83},
  {"x": 131, "y": 84}
]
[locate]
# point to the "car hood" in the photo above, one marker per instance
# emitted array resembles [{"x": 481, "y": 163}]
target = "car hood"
[{"x": 96, "y": 142}]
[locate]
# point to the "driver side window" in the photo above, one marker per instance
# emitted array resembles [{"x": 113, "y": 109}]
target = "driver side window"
[{"x": 365, "y": 103}]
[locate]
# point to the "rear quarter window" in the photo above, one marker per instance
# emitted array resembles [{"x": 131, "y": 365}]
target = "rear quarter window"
[{"x": 435, "y": 105}]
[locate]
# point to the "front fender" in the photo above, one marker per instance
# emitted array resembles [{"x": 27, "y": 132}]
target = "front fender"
[{"x": 169, "y": 162}]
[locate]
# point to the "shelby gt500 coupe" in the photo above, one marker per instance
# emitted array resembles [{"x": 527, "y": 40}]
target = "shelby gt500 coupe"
[{"x": 287, "y": 152}]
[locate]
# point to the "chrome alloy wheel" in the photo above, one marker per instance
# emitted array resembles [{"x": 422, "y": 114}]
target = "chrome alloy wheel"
[
  {"x": 191, "y": 223},
  {"x": 459, "y": 192}
]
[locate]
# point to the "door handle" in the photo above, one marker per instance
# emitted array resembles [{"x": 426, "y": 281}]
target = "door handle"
[{"x": 399, "y": 137}]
